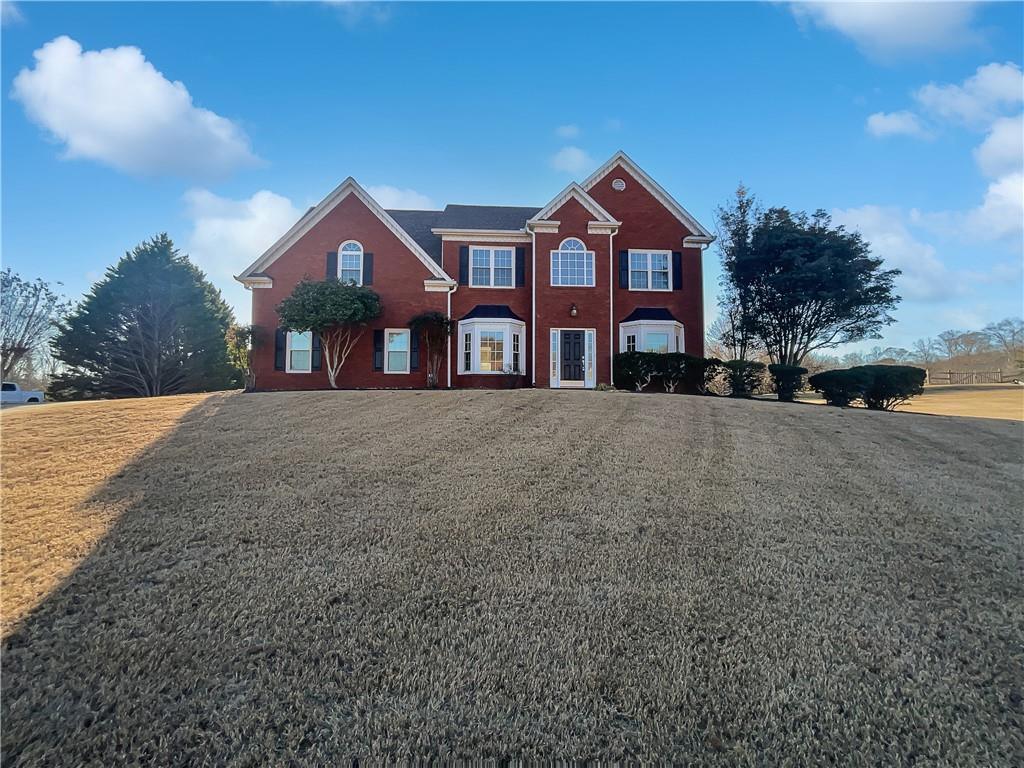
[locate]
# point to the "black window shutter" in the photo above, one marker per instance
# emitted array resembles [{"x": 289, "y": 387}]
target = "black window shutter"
[
  {"x": 378, "y": 350},
  {"x": 463, "y": 265},
  {"x": 677, "y": 271},
  {"x": 623, "y": 269},
  {"x": 332, "y": 264},
  {"x": 280, "y": 347},
  {"x": 414, "y": 350},
  {"x": 520, "y": 267},
  {"x": 316, "y": 356},
  {"x": 367, "y": 269}
]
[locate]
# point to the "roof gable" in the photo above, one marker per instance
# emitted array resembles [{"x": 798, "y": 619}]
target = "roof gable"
[
  {"x": 620, "y": 158},
  {"x": 316, "y": 214},
  {"x": 574, "y": 192}
]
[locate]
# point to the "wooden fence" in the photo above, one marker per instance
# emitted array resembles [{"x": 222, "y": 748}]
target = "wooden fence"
[{"x": 968, "y": 377}]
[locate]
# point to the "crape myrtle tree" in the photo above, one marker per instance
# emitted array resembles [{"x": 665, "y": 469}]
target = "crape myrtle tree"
[
  {"x": 154, "y": 325},
  {"x": 28, "y": 313},
  {"x": 434, "y": 328},
  {"x": 338, "y": 312},
  {"x": 807, "y": 285}
]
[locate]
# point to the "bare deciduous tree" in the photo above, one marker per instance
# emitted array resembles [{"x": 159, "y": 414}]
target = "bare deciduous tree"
[{"x": 28, "y": 310}]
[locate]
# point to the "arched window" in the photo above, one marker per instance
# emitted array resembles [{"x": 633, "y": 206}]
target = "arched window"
[
  {"x": 572, "y": 264},
  {"x": 350, "y": 262}
]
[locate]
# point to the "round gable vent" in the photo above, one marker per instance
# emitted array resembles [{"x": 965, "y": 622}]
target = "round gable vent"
[{"x": 618, "y": 185}]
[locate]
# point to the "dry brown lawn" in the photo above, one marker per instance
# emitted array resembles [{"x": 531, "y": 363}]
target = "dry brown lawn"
[
  {"x": 314, "y": 577},
  {"x": 981, "y": 401}
]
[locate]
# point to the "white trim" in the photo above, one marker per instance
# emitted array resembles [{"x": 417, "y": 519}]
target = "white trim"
[
  {"x": 448, "y": 235},
  {"x": 600, "y": 228},
  {"x": 663, "y": 197},
  {"x": 589, "y": 380},
  {"x": 547, "y": 226},
  {"x": 257, "y": 282},
  {"x": 650, "y": 271},
  {"x": 641, "y": 328},
  {"x": 316, "y": 214},
  {"x": 408, "y": 349},
  {"x": 362, "y": 253},
  {"x": 473, "y": 327},
  {"x": 490, "y": 265},
  {"x": 533, "y": 308},
  {"x": 288, "y": 352},
  {"x": 574, "y": 190},
  {"x": 585, "y": 252},
  {"x": 438, "y": 286}
]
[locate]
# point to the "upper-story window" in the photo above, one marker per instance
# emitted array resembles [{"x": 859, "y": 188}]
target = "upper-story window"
[
  {"x": 491, "y": 267},
  {"x": 650, "y": 270},
  {"x": 350, "y": 262},
  {"x": 572, "y": 264}
]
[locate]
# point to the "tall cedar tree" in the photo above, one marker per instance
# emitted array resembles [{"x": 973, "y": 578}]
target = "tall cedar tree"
[
  {"x": 809, "y": 285},
  {"x": 152, "y": 326},
  {"x": 735, "y": 231},
  {"x": 337, "y": 312}
]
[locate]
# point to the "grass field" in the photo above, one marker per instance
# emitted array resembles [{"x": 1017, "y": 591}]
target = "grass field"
[
  {"x": 983, "y": 401},
  {"x": 312, "y": 577}
]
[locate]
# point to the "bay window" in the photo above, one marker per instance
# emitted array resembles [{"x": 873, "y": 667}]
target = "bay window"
[
  {"x": 491, "y": 346},
  {"x": 652, "y": 336}
]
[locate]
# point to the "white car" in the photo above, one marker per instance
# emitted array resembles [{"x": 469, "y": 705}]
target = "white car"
[{"x": 11, "y": 393}]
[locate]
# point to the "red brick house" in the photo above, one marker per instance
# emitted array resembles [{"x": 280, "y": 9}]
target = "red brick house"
[{"x": 612, "y": 264}]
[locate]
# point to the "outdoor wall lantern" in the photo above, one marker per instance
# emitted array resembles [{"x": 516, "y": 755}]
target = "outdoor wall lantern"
[{"x": 573, "y": 311}]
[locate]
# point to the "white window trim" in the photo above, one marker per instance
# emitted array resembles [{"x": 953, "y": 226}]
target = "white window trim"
[
  {"x": 408, "y": 350},
  {"x": 650, "y": 271},
  {"x": 640, "y": 329},
  {"x": 490, "y": 262},
  {"x": 288, "y": 353},
  {"x": 589, "y": 360},
  {"x": 593, "y": 264},
  {"x": 362, "y": 253},
  {"x": 474, "y": 327}
]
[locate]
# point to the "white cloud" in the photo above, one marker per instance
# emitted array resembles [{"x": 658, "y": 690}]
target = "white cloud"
[
  {"x": 925, "y": 277},
  {"x": 568, "y": 131},
  {"x": 980, "y": 99},
  {"x": 401, "y": 199},
  {"x": 113, "y": 106},
  {"x": 892, "y": 29},
  {"x": 903, "y": 123},
  {"x": 227, "y": 235},
  {"x": 354, "y": 12},
  {"x": 1002, "y": 151},
  {"x": 572, "y": 160},
  {"x": 1001, "y": 214},
  {"x": 10, "y": 13}
]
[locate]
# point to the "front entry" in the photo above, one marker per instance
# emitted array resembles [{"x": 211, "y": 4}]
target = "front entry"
[{"x": 572, "y": 358}]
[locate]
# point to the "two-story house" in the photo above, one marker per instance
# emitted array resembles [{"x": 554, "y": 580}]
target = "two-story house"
[{"x": 611, "y": 264}]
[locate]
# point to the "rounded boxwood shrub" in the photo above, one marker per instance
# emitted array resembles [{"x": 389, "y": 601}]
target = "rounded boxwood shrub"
[
  {"x": 840, "y": 387},
  {"x": 891, "y": 385},
  {"x": 745, "y": 377},
  {"x": 787, "y": 380}
]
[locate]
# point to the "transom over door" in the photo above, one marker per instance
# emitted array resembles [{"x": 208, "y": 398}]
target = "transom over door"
[{"x": 572, "y": 355}]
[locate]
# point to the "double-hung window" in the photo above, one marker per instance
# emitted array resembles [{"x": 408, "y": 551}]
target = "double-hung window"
[
  {"x": 491, "y": 267},
  {"x": 650, "y": 270},
  {"x": 299, "y": 352},
  {"x": 491, "y": 345},
  {"x": 396, "y": 350},
  {"x": 350, "y": 262},
  {"x": 572, "y": 264}
]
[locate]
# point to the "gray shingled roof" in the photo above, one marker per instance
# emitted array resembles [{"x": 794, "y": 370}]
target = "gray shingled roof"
[
  {"x": 649, "y": 313},
  {"x": 417, "y": 225}
]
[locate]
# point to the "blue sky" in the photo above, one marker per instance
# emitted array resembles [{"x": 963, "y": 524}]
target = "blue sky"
[{"x": 220, "y": 122}]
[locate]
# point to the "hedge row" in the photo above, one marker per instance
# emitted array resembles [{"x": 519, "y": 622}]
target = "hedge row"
[
  {"x": 679, "y": 372},
  {"x": 879, "y": 387}
]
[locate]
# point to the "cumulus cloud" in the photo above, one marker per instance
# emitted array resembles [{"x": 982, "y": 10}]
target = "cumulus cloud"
[
  {"x": 1002, "y": 151},
  {"x": 925, "y": 277},
  {"x": 10, "y": 13},
  {"x": 568, "y": 131},
  {"x": 115, "y": 107},
  {"x": 400, "y": 199},
  {"x": 1001, "y": 214},
  {"x": 227, "y": 235},
  {"x": 572, "y": 160},
  {"x": 991, "y": 91},
  {"x": 886, "y": 30},
  {"x": 903, "y": 123}
]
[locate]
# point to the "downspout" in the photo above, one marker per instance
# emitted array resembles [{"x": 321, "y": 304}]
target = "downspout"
[
  {"x": 448, "y": 341},
  {"x": 533, "y": 306}
]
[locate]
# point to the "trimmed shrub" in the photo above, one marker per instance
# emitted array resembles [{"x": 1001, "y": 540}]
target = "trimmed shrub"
[
  {"x": 635, "y": 370},
  {"x": 745, "y": 376},
  {"x": 786, "y": 380},
  {"x": 676, "y": 371},
  {"x": 840, "y": 387},
  {"x": 891, "y": 385}
]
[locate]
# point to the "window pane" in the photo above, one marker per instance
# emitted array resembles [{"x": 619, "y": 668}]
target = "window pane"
[
  {"x": 503, "y": 266},
  {"x": 352, "y": 247},
  {"x": 631, "y": 343},
  {"x": 638, "y": 279},
  {"x": 300, "y": 360},
  {"x": 301, "y": 340},
  {"x": 572, "y": 268},
  {"x": 351, "y": 266},
  {"x": 467, "y": 352},
  {"x": 659, "y": 261},
  {"x": 659, "y": 280},
  {"x": 638, "y": 261},
  {"x": 656, "y": 342},
  {"x": 515, "y": 352},
  {"x": 492, "y": 350},
  {"x": 481, "y": 266},
  {"x": 398, "y": 351}
]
